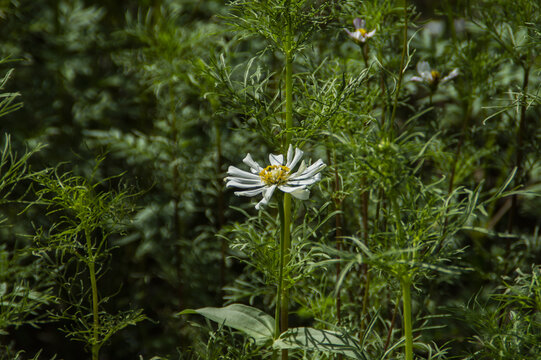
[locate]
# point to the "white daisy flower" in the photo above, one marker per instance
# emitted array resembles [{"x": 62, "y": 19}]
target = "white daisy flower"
[
  {"x": 360, "y": 34},
  {"x": 432, "y": 77},
  {"x": 277, "y": 175}
]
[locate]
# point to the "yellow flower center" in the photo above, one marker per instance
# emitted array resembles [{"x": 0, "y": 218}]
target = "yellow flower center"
[
  {"x": 362, "y": 31},
  {"x": 274, "y": 174},
  {"x": 435, "y": 75}
]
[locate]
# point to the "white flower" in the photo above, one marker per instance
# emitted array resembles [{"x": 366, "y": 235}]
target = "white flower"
[
  {"x": 432, "y": 77},
  {"x": 277, "y": 175},
  {"x": 360, "y": 34}
]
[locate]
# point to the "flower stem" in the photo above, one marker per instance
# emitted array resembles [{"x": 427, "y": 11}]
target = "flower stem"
[
  {"x": 364, "y": 51},
  {"x": 405, "y": 282},
  {"x": 277, "y": 329},
  {"x": 93, "y": 284},
  {"x": 402, "y": 61},
  {"x": 289, "y": 98},
  {"x": 406, "y": 299},
  {"x": 520, "y": 150},
  {"x": 285, "y": 222},
  {"x": 286, "y": 255},
  {"x": 390, "y": 332},
  {"x": 220, "y": 203}
]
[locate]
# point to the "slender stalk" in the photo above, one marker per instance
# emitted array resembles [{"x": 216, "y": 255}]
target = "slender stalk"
[
  {"x": 220, "y": 202},
  {"x": 465, "y": 124},
  {"x": 406, "y": 299},
  {"x": 390, "y": 332},
  {"x": 453, "y": 172},
  {"x": 331, "y": 160},
  {"x": 338, "y": 239},
  {"x": 365, "y": 269},
  {"x": 405, "y": 282},
  {"x": 366, "y": 295},
  {"x": 450, "y": 19},
  {"x": 520, "y": 150},
  {"x": 364, "y": 51},
  {"x": 286, "y": 246},
  {"x": 176, "y": 188},
  {"x": 286, "y": 239},
  {"x": 279, "y": 290},
  {"x": 95, "y": 299},
  {"x": 402, "y": 61},
  {"x": 289, "y": 98}
]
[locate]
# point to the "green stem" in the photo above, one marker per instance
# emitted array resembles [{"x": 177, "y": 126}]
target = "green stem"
[
  {"x": 277, "y": 329},
  {"x": 331, "y": 159},
  {"x": 405, "y": 280},
  {"x": 402, "y": 61},
  {"x": 390, "y": 332},
  {"x": 364, "y": 51},
  {"x": 289, "y": 98},
  {"x": 406, "y": 299},
  {"x": 176, "y": 187},
  {"x": 285, "y": 245},
  {"x": 93, "y": 284},
  {"x": 399, "y": 229},
  {"x": 520, "y": 150},
  {"x": 220, "y": 203}
]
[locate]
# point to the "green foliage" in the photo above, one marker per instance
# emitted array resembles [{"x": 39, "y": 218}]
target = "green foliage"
[
  {"x": 77, "y": 247},
  {"x": 509, "y": 324},
  {"x": 430, "y": 194},
  {"x": 7, "y": 104},
  {"x": 253, "y": 322},
  {"x": 320, "y": 340},
  {"x": 25, "y": 288}
]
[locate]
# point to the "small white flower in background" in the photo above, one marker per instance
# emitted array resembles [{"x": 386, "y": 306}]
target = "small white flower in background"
[
  {"x": 277, "y": 175},
  {"x": 432, "y": 77},
  {"x": 360, "y": 34}
]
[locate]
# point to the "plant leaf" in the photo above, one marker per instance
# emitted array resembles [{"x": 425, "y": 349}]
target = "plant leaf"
[
  {"x": 252, "y": 321},
  {"x": 320, "y": 340}
]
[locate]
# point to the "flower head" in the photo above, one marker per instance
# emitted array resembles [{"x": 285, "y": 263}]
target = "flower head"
[
  {"x": 430, "y": 76},
  {"x": 360, "y": 35},
  {"x": 276, "y": 175}
]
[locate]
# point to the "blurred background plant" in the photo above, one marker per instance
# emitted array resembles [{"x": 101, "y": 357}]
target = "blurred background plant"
[{"x": 169, "y": 94}]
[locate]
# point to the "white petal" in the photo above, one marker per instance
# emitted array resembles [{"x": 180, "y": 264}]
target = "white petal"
[
  {"x": 253, "y": 182},
  {"x": 295, "y": 159},
  {"x": 354, "y": 35},
  {"x": 241, "y": 185},
  {"x": 304, "y": 182},
  {"x": 371, "y": 33},
  {"x": 309, "y": 172},
  {"x": 267, "y": 194},
  {"x": 276, "y": 159},
  {"x": 301, "y": 169},
  {"x": 453, "y": 74},
  {"x": 417, "y": 78},
  {"x": 423, "y": 67},
  {"x": 254, "y": 166},
  {"x": 359, "y": 23},
  {"x": 300, "y": 193},
  {"x": 250, "y": 193},
  {"x": 289, "y": 154},
  {"x": 233, "y": 171}
]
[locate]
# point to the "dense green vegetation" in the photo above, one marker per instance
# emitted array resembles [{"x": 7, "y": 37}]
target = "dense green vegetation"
[{"x": 419, "y": 126}]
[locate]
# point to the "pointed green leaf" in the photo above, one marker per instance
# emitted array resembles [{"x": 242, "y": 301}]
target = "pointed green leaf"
[
  {"x": 320, "y": 340},
  {"x": 254, "y": 322}
]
